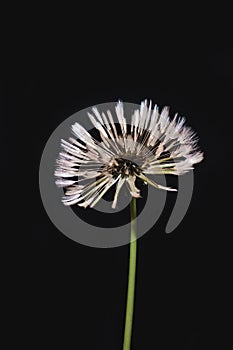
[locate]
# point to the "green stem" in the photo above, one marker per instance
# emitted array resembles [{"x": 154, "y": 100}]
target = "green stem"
[{"x": 131, "y": 277}]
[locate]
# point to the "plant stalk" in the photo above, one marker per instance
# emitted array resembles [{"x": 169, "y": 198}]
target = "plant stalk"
[{"x": 131, "y": 278}]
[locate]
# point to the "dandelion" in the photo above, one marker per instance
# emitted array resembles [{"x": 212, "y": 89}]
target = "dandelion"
[{"x": 152, "y": 143}]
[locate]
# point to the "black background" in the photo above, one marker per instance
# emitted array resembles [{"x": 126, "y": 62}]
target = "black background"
[{"x": 75, "y": 295}]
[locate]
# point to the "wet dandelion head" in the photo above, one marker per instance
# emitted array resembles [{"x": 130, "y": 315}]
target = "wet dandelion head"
[{"x": 152, "y": 144}]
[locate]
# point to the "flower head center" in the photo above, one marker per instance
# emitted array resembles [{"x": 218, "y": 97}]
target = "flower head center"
[{"x": 123, "y": 167}]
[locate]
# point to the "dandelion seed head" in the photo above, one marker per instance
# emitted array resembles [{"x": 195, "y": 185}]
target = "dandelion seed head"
[{"x": 152, "y": 144}]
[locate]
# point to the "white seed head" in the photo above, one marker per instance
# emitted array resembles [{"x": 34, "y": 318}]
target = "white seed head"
[{"x": 153, "y": 144}]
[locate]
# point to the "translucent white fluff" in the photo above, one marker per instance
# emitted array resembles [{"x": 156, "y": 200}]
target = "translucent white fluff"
[{"x": 152, "y": 144}]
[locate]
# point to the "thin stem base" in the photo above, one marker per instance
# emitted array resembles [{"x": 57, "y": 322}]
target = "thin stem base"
[{"x": 131, "y": 278}]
